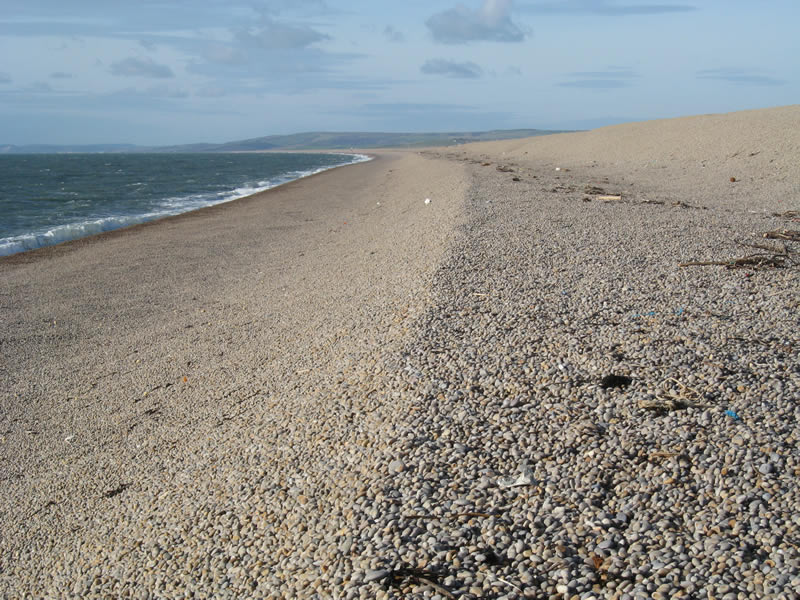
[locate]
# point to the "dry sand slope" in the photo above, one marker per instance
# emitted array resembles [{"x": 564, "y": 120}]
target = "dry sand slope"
[{"x": 430, "y": 420}]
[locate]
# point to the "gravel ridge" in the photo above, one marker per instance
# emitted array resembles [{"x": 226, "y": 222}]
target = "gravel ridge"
[{"x": 682, "y": 483}]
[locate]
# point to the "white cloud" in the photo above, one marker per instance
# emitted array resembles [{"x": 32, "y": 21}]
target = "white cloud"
[{"x": 491, "y": 22}]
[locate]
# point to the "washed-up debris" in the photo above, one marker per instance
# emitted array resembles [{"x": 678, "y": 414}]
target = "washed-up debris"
[
  {"x": 504, "y": 169},
  {"x": 524, "y": 478},
  {"x": 615, "y": 381},
  {"x": 754, "y": 260},
  {"x": 732, "y": 415},
  {"x": 609, "y": 198},
  {"x": 117, "y": 490},
  {"x": 669, "y": 399},
  {"x": 427, "y": 200},
  {"x": 662, "y": 404},
  {"x": 681, "y": 204},
  {"x": 663, "y": 454},
  {"x": 789, "y": 215},
  {"x": 422, "y": 576},
  {"x": 792, "y": 235}
]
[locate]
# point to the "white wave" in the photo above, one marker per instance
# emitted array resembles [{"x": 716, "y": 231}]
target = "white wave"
[
  {"x": 70, "y": 231},
  {"x": 167, "y": 207}
]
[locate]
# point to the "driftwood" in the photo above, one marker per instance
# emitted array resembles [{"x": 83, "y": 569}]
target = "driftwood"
[
  {"x": 455, "y": 516},
  {"x": 754, "y": 260},
  {"x": 789, "y": 215},
  {"x": 792, "y": 235}
]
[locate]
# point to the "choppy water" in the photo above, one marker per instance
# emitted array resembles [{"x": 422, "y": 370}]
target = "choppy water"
[{"x": 46, "y": 199}]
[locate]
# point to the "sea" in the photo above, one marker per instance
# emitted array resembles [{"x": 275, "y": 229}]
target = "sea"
[{"x": 47, "y": 199}]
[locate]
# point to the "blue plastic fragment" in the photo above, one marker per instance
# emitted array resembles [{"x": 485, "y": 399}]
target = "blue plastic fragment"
[
  {"x": 679, "y": 311},
  {"x": 732, "y": 415}
]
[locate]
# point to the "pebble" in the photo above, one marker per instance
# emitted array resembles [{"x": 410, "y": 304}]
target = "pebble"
[
  {"x": 396, "y": 466},
  {"x": 376, "y": 575}
]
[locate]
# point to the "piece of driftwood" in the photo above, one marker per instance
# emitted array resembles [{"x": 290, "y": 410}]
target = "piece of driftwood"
[
  {"x": 455, "y": 516},
  {"x": 755, "y": 260},
  {"x": 609, "y": 198},
  {"x": 771, "y": 248},
  {"x": 791, "y": 235}
]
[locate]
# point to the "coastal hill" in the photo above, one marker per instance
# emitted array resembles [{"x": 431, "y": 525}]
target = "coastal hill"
[{"x": 299, "y": 141}]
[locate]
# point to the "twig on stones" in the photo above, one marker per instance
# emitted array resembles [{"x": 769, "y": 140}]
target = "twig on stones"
[
  {"x": 456, "y": 516},
  {"x": 792, "y": 235},
  {"x": 774, "y": 249},
  {"x": 508, "y": 583},
  {"x": 422, "y": 576},
  {"x": 755, "y": 260}
]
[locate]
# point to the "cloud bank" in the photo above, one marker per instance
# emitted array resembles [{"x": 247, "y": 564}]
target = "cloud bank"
[
  {"x": 449, "y": 68},
  {"x": 602, "y": 8},
  {"x": 491, "y": 22},
  {"x": 281, "y": 36},
  {"x": 739, "y": 76},
  {"x": 141, "y": 67},
  {"x": 612, "y": 78}
]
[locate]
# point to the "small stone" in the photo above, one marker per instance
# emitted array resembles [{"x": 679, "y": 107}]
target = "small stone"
[
  {"x": 396, "y": 466},
  {"x": 766, "y": 468},
  {"x": 375, "y": 575}
]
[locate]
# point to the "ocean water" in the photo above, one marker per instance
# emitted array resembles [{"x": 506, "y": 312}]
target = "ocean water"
[{"x": 46, "y": 199}]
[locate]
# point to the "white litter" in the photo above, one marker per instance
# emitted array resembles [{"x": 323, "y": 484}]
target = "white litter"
[
  {"x": 427, "y": 200},
  {"x": 524, "y": 478}
]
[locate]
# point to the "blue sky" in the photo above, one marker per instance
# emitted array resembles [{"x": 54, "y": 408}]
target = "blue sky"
[{"x": 180, "y": 71}]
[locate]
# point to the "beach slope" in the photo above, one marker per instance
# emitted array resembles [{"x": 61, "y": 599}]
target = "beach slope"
[{"x": 573, "y": 373}]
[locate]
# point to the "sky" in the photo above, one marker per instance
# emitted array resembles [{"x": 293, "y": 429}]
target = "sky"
[{"x": 160, "y": 72}]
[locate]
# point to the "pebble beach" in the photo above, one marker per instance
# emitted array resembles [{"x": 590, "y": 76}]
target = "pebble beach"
[{"x": 561, "y": 367}]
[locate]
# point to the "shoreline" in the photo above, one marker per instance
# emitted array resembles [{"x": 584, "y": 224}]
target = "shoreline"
[
  {"x": 358, "y": 157},
  {"x": 401, "y": 398}
]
